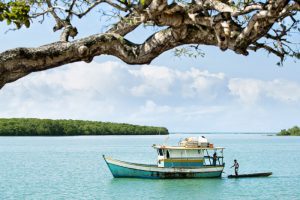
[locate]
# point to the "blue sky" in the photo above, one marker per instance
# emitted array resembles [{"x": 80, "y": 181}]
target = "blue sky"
[{"x": 221, "y": 92}]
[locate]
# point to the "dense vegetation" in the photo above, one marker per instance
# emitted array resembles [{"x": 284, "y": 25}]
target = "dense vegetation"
[
  {"x": 295, "y": 131},
  {"x": 48, "y": 127}
]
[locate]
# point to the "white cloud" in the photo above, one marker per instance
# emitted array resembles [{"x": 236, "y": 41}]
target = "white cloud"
[
  {"x": 250, "y": 91},
  {"x": 197, "y": 83},
  {"x": 158, "y": 80},
  {"x": 154, "y": 80},
  {"x": 151, "y": 107},
  {"x": 176, "y": 117},
  {"x": 188, "y": 100},
  {"x": 283, "y": 90}
]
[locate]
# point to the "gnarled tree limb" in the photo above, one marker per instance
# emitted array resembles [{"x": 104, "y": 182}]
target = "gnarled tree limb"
[{"x": 240, "y": 28}]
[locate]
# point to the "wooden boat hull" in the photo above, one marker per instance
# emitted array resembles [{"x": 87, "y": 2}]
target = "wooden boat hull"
[
  {"x": 121, "y": 169},
  {"x": 264, "y": 174}
]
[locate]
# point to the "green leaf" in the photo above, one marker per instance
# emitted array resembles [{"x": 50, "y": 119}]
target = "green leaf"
[
  {"x": 18, "y": 25},
  {"x": 27, "y": 23}
]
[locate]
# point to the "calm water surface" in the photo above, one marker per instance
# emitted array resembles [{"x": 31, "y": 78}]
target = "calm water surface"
[{"x": 73, "y": 168}]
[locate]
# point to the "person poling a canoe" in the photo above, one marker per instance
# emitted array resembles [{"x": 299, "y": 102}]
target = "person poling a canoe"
[{"x": 236, "y": 167}]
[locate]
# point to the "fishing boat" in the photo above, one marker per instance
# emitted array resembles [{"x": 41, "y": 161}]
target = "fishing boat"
[{"x": 191, "y": 158}]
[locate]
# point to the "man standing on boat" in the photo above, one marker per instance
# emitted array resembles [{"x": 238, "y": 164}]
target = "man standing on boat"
[
  {"x": 236, "y": 167},
  {"x": 215, "y": 159}
]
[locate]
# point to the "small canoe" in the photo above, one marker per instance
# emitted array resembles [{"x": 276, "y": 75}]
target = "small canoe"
[{"x": 264, "y": 174}]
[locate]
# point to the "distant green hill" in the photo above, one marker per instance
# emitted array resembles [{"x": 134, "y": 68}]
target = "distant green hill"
[
  {"x": 295, "y": 131},
  {"x": 48, "y": 127}
]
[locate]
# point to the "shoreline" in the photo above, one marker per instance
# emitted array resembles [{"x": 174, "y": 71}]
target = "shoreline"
[{"x": 67, "y": 127}]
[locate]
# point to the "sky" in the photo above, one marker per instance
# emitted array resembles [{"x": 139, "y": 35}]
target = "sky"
[{"x": 220, "y": 92}]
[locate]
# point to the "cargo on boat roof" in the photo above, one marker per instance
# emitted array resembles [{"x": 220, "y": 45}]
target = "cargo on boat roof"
[
  {"x": 191, "y": 143},
  {"x": 186, "y": 148}
]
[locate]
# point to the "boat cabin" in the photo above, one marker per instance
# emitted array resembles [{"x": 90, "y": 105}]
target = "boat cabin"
[{"x": 190, "y": 153}]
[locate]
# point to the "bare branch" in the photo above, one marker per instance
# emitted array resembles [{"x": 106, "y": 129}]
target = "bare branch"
[
  {"x": 70, "y": 10},
  {"x": 96, "y": 3},
  {"x": 128, "y": 24},
  {"x": 59, "y": 22},
  {"x": 248, "y": 9},
  {"x": 269, "y": 49}
]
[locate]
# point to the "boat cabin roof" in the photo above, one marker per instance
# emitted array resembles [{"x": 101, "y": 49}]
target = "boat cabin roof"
[{"x": 184, "y": 148}]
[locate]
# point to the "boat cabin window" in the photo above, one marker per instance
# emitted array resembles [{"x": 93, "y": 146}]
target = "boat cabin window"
[
  {"x": 168, "y": 154},
  {"x": 160, "y": 152}
]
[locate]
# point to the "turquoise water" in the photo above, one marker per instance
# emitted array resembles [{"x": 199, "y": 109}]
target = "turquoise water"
[{"x": 73, "y": 168}]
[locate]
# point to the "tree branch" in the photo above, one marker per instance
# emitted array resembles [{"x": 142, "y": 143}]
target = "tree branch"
[
  {"x": 247, "y": 26},
  {"x": 96, "y": 3},
  {"x": 259, "y": 25},
  {"x": 269, "y": 49},
  {"x": 128, "y": 24},
  {"x": 19, "y": 62}
]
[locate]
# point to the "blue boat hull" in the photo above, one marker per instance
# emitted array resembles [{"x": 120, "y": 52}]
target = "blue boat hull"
[{"x": 121, "y": 169}]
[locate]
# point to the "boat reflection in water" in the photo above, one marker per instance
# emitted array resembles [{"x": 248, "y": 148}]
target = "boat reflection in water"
[{"x": 192, "y": 158}]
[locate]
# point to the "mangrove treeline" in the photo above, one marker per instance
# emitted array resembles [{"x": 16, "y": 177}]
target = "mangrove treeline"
[
  {"x": 295, "y": 131},
  {"x": 48, "y": 127}
]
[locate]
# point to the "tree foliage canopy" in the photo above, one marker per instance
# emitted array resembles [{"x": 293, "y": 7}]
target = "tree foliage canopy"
[
  {"x": 48, "y": 127},
  {"x": 295, "y": 131},
  {"x": 237, "y": 25},
  {"x": 16, "y": 12}
]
